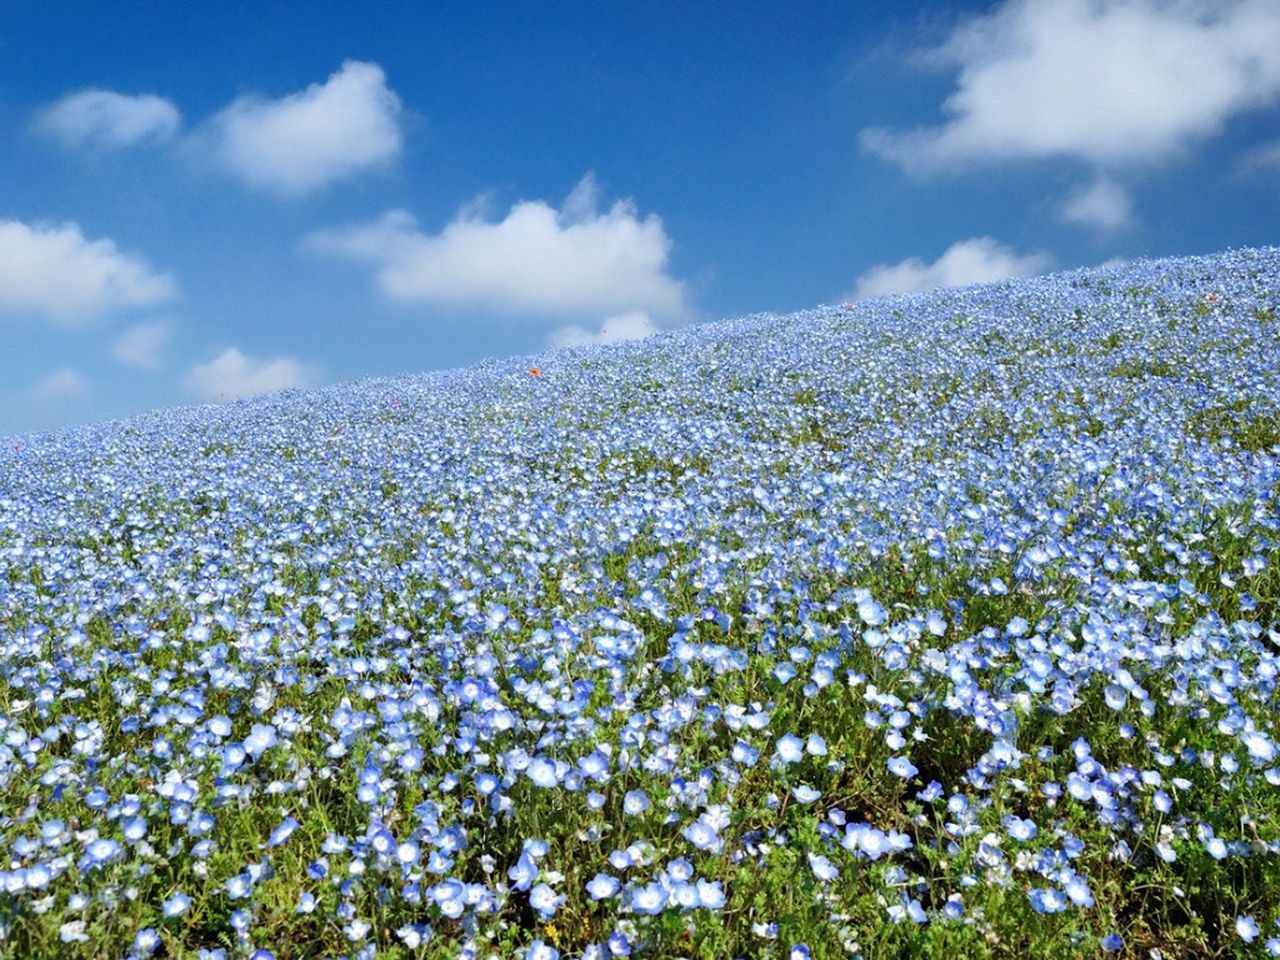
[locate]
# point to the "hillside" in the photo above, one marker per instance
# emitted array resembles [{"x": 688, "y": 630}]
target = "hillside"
[{"x": 938, "y": 623}]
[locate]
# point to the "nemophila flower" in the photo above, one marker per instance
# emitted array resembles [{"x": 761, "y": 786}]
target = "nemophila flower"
[
  {"x": 145, "y": 942},
  {"x": 710, "y": 894},
  {"x": 539, "y": 950},
  {"x": 1077, "y": 890},
  {"x": 1047, "y": 900},
  {"x": 543, "y": 773},
  {"x": 650, "y": 899},
  {"x": 902, "y": 767},
  {"x": 805, "y": 794},
  {"x": 790, "y": 748},
  {"x": 822, "y": 867},
  {"x": 1246, "y": 928},
  {"x": 1112, "y": 942},
  {"x": 283, "y": 832},
  {"x": 703, "y": 834},
  {"x": 176, "y": 905},
  {"x": 798, "y": 951},
  {"x": 601, "y": 886},
  {"x": 871, "y": 613},
  {"x": 635, "y": 802},
  {"x": 1020, "y": 829},
  {"x": 545, "y": 900},
  {"x": 261, "y": 739},
  {"x": 523, "y": 872}
]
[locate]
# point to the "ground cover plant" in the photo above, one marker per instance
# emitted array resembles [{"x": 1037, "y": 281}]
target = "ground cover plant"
[{"x": 935, "y": 625}]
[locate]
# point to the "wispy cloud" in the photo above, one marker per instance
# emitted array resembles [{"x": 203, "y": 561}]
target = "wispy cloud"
[
  {"x": 110, "y": 120},
  {"x": 635, "y": 325},
  {"x": 976, "y": 260},
  {"x": 142, "y": 345},
  {"x": 232, "y": 375}
]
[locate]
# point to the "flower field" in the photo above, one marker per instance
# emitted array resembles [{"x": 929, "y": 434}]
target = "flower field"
[{"x": 933, "y": 625}]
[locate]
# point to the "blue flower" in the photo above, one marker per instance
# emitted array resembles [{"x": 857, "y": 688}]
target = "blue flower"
[
  {"x": 902, "y": 767},
  {"x": 601, "y": 886}
]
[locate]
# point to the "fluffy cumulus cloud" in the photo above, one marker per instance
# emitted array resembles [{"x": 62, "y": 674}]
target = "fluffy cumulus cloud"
[
  {"x": 106, "y": 119},
  {"x": 577, "y": 260},
  {"x": 1103, "y": 204},
  {"x": 54, "y": 271},
  {"x": 232, "y": 375},
  {"x": 142, "y": 345},
  {"x": 1111, "y": 82},
  {"x": 60, "y": 385},
  {"x": 977, "y": 260},
  {"x": 633, "y": 325},
  {"x": 301, "y": 142}
]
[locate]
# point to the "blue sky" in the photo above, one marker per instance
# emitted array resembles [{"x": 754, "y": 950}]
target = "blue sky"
[{"x": 196, "y": 206}]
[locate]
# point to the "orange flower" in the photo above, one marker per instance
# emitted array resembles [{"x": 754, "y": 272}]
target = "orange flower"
[
  {"x": 535, "y": 372},
  {"x": 1211, "y": 298}
]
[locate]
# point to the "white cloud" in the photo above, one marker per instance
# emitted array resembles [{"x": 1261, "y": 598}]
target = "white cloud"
[
  {"x": 231, "y": 375},
  {"x": 976, "y": 260},
  {"x": 635, "y": 325},
  {"x": 301, "y": 142},
  {"x": 1107, "y": 81},
  {"x": 104, "y": 118},
  {"x": 575, "y": 260},
  {"x": 1263, "y": 155},
  {"x": 143, "y": 344},
  {"x": 1104, "y": 204},
  {"x": 52, "y": 270},
  {"x": 64, "y": 384}
]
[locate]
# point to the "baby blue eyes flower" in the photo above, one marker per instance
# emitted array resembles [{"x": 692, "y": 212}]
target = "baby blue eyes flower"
[
  {"x": 176, "y": 905},
  {"x": 543, "y": 773},
  {"x": 805, "y": 794},
  {"x": 822, "y": 868},
  {"x": 523, "y": 872},
  {"x": 1078, "y": 892},
  {"x": 283, "y": 832},
  {"x": 135, "y": 829},
  {"x": 790, "y": 748},
  {"x": 1246, "y": 928},
  {"x": 702, "y": 834},
  {"x": 239, "y": 886},
  {"x": 545, "y": 900},
  {"x": 710, "y": 894},
  {"x": 145, "y": 942},
  {"x": 1260, "y": 748},
  {"x": 799, "y": 952},
  {"x": 1048, "y": 900},
  {"x": 1020, "y": 829},
  {"x": 538, "y": 950},
  {"x": 635, "y": 802},
  {"x": 871, "y": 613},
  {"x": 649, "y": 900},
  {"x": 1112, "y": 942},
  {"x": 407, "y": 853},
  {"x": 902, "y": 767},
  {"x": 601, "y": 886}
]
